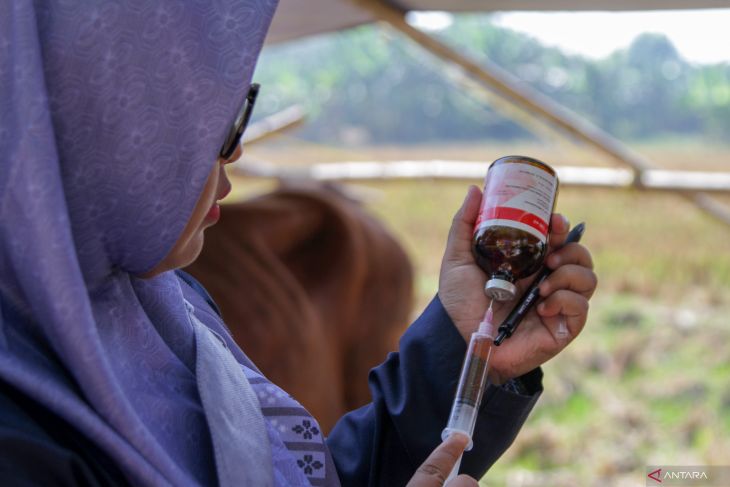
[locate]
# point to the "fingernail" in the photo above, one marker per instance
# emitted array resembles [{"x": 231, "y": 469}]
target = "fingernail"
[
  {"x": 461, "y": 439},
  {"x": 541, "y": 308},
  {"x": 566, "y": 222},
  {"x": 562, "y": 332},
  {"x": 554, "y": 261}
]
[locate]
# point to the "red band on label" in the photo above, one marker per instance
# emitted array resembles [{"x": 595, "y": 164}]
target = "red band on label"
[{"x": 517, "y": 215}]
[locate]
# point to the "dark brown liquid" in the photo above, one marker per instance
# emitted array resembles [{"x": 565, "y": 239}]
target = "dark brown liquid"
[
  {"x": 508, "y": 253},
  {"x": 474, "y": 372}
]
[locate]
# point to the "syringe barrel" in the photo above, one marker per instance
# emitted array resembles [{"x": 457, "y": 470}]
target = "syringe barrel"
[{"x": 472, "y": 383}]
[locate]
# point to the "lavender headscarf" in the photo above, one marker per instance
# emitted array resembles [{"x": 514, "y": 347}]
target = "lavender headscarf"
[{"x": 111, "y": 117}]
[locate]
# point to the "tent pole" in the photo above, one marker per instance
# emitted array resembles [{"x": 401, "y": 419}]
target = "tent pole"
[{"x": 274, "y": 125}]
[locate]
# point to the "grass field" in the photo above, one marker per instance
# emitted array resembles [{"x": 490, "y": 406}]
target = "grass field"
[{"x": 647, "y": 383}]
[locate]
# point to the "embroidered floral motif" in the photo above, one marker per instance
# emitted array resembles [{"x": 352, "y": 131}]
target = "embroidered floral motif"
[
  {"x": 306, "y": 429},
  {"x": 309, "y": 464}
]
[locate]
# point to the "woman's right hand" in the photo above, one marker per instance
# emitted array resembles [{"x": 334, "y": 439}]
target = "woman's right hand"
[
  {"x": 565, "y": 294},
  {"x": 437, "y": 467}
]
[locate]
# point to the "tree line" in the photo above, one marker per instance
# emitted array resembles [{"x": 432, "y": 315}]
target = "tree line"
[{"x": 371, "y": 85}]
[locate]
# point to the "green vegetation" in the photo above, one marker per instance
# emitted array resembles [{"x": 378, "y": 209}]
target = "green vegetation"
[{"x": 370, "y": 85}]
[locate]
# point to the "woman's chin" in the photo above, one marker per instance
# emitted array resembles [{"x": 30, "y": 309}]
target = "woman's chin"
[{"x": 182, "y": 255}]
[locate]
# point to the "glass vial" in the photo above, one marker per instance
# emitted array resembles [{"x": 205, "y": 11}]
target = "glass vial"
[{"x": 511, "y": 232}]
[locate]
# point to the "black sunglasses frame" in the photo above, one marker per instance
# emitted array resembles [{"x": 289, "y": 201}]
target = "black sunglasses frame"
[{"x": 241, "y": 122}]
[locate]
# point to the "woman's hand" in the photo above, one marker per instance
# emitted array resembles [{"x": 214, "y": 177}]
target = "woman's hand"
[
  {"x": 564, "y": 293},
  {"x": 437, "y": 467}
]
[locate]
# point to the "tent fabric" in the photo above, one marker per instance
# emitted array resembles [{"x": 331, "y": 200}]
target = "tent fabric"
[{"x": 300, "y": 18}]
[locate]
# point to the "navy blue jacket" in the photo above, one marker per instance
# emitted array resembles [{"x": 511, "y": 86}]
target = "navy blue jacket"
[{"x": 384, "y": 442}]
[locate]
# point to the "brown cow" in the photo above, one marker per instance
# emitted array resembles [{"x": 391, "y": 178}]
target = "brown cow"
[{"x": 314, "y": 290}]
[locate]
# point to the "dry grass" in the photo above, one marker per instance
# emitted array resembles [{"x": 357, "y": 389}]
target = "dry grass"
[{"x": 657, "y": 245}]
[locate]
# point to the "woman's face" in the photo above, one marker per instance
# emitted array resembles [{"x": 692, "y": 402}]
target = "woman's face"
[{"x": 206, "y": 213}]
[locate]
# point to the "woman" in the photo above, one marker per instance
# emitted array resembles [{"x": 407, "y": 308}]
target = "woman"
[{"x": 116, "y": 371}]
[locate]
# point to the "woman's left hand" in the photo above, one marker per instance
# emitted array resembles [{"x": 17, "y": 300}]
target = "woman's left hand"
[{"x": 565, "y": 294}]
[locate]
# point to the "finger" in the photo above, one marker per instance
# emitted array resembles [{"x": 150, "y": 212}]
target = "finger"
[
  {"x": 573, "y": 253},
  {"x": 576, "y": 278},
  {"x": 463, "y": 481},
  {"x": 462, "y": 226},
  {"x": 572, "y": 306},
  {"x": 434, "y": 471},
  {"x": 559, "y": 228}
]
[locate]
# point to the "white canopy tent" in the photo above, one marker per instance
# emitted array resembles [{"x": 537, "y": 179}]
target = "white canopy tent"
[{"x": 299, "y": 18}]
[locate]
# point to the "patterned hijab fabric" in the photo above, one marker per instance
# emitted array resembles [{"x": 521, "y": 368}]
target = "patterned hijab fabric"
[
  {"x": 298, "y": 450},
  {"x": 111, "y": 117}
]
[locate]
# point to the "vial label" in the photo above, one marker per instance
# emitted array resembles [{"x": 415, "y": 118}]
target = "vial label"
[{"x": 520, "y": 196}]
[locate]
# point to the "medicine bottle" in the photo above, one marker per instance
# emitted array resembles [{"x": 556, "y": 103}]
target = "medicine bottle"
[{"x": 511, "y": 232}]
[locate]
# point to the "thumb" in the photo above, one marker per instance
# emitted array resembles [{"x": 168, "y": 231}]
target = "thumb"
[
  {"x": 462, "y": 226},
  {"x": 434, "y": 471}
]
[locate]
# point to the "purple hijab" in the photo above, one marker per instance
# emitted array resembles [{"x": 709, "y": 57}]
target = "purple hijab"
[{"x": 111, "y": 117}]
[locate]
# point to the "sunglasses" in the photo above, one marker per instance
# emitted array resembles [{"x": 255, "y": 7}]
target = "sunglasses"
[{"x": 241, "y": 122}]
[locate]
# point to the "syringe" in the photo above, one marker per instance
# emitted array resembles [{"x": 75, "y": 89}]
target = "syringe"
[{"x": 472, "y": 383}]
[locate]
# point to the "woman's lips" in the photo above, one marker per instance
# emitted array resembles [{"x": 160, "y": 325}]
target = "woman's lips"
[{"x": 214, "y": 213}]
